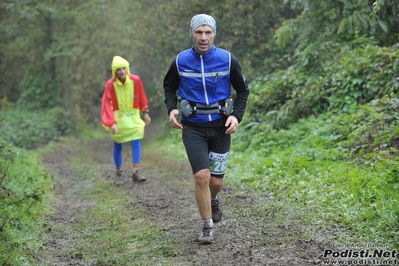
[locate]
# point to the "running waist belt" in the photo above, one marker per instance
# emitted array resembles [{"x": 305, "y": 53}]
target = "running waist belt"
[{"x": 189, "y": 109}]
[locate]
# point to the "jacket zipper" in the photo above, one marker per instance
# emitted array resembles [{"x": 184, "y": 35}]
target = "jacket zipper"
[{"x": 204, "y": 85}]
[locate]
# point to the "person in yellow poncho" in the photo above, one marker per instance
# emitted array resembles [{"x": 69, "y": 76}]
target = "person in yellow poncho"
[{"x": 122, "y": 101}]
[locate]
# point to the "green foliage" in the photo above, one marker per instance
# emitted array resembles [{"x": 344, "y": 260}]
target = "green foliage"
[
  {"x": 366, "y": 74},
  {"x": 23, "y": 188},
  {"x": 32, "y": 129},
  {"x": 59, "y": 53},
  {"x": 334, "y": 169},
  {"x": 27, "y": 31},
  {"x": 383, "y": 21},
  {"x": 69, "y": 67},
  {"x": 374, "y": 127},
  {"x": 62, "y": 51},
  {"x": 326, "y": 81},
  {"x": 343, "y": 20},
  {"x": 38, "y": 92},
  {"x": 284, "y": 34}
]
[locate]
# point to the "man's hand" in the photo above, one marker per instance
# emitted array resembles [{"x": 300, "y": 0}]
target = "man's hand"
[
  {"x": 114, "y": 129},
  {"x": 231, "y": 124},
  {"x": 173, "y": 119},
  {"x": 147, "y": 119}
]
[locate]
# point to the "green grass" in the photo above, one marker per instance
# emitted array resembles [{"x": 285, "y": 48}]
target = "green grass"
[
  {"x": 24, "y": 199},
  {"x": 308, "y": 170},
  {"x": 119, "y": 234}
]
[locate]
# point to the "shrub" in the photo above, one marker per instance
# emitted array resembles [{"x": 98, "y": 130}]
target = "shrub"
[
  {"x": 356, "y": 73},
  {"x": 32, "y": 129}
]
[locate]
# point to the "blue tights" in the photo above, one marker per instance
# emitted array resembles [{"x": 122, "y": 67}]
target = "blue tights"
[{"x": 136, "y": 152}]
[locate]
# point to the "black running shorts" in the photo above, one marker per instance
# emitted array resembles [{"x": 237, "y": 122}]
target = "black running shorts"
[{"x": 207, "y": 148}]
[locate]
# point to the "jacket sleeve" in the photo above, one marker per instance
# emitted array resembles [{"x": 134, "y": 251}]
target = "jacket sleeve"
[
  {"x": 107, "y": 110},
  {"x": 241, "y": 87},
  {"x": 141, "y": 101},
  {"x": 171, "y": 85}
]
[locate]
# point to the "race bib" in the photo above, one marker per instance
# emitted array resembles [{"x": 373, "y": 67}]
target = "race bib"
[{"x": 218, "y": 162}]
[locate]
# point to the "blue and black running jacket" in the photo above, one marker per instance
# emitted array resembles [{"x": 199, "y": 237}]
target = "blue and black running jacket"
[{"x": 205, "y": 79}]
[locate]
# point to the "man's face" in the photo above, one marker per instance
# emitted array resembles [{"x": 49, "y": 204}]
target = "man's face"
[
  {"x": 203, "y": 37},
  {"x": 121, "y": 73}
]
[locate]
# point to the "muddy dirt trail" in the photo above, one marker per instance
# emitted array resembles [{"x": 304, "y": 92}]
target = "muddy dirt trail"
[{"x": 245, "y": 236}]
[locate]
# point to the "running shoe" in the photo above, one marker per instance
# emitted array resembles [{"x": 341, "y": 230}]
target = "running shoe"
[
  {"x": 118, "y": 177},
  {"x": 137, "y": 177},
  {"x": 206, "y": 236},
  {"x": 217, "y": 210}
]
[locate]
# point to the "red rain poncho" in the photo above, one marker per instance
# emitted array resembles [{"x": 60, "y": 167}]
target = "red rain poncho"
[{"x": 122, "y": 103}]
